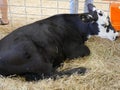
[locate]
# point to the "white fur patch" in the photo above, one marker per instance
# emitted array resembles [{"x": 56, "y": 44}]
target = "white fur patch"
[{"x": 102, "y": 21}]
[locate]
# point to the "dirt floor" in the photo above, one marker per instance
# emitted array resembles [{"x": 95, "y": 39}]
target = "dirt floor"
[{"x": 103, "y": 64}]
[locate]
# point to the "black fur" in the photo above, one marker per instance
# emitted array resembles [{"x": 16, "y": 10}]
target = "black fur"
[{"x": 40, "y": 47}]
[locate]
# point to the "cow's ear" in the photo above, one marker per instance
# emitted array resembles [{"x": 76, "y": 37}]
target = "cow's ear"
[
  {"x": 92, "y": 11},
  {"x": 91, "y": 8}
]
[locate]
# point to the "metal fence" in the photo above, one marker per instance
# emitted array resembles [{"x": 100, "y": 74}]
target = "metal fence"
[{"x": 22, "y": 12}]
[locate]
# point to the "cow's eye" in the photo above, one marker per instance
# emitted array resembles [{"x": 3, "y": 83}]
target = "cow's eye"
[
  {"x": 100, "y": 13},
  {"x": 104, "y": 25}
]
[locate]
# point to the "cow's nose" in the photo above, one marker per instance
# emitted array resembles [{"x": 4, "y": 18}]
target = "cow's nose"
[{"x": 116, "y": 37}]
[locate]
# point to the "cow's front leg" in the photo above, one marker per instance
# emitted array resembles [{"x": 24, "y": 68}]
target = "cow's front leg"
[{"x": 74, "y": 50}]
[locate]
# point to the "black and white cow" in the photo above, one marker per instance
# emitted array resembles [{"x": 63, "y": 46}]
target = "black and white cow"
[
  {"x": 40, "y": 47},
  {"x": 104, "y": 28}
]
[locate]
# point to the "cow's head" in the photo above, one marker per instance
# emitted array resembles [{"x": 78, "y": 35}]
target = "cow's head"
[{"x": 106, "y": 30}]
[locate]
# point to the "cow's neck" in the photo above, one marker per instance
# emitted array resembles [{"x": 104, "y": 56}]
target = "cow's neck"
[{"x": 92, "y": 28}]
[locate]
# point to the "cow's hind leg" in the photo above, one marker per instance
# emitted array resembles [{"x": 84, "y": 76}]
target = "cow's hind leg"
[{"x": 23, "y": 58}]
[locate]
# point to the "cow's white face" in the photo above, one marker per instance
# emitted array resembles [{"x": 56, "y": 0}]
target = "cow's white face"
[
  {"x": 105, "y": 27},
  {"x": 106, "y": 30}
]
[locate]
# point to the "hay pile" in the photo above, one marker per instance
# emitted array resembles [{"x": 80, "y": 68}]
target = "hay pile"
[{"x": 103, "y": 70}]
